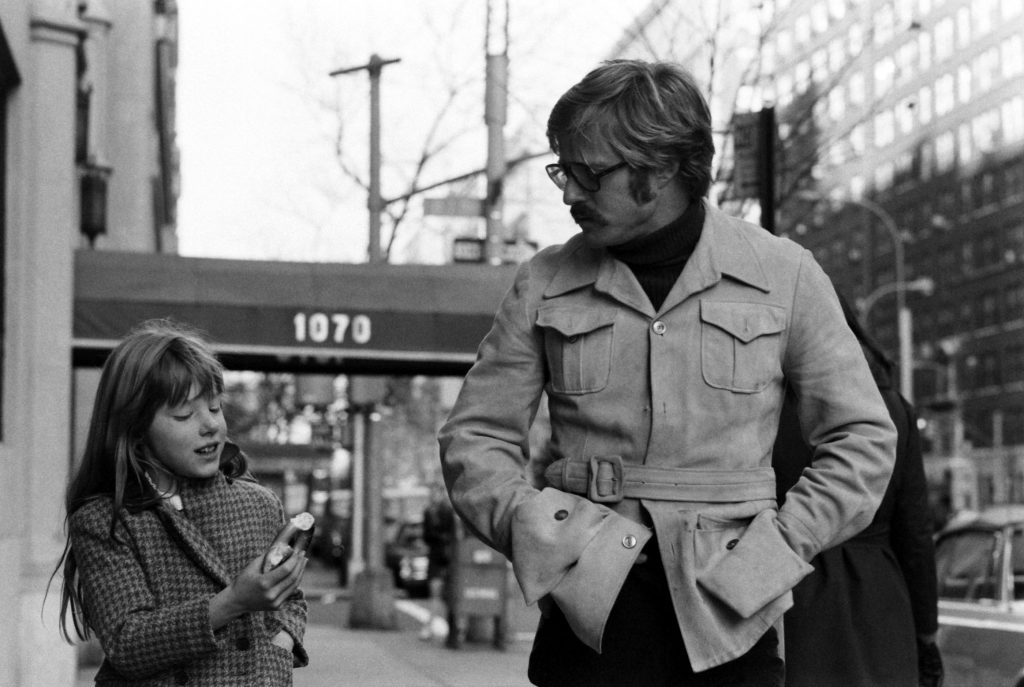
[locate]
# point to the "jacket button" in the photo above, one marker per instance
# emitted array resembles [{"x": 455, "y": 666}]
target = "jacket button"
[
  {"x": 561, "y": 515},
  {"x": 242, "y": 644},
  {"x": 629, "y": 541},
  {"x": 732, "y": 544},
  {"x": 659, "y": 327},
  {"x": 573, "y": 339}
]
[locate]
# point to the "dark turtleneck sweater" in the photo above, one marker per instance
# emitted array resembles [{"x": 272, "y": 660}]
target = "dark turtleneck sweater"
[{"x": 658, "y": 258}]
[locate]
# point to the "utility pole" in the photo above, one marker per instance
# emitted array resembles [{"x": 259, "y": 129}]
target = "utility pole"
[
  {"x": 373, "y": 589},
  {"x": 495, "y": 107},
  {"x": 375, "y": 204}
]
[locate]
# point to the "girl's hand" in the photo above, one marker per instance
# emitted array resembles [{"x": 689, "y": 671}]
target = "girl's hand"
[
  {"x": 253, "y": 591},
  {"x": 283, "y": 640}
]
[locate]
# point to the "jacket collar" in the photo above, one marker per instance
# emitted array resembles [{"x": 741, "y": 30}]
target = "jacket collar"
[
  {"x": 189, "y": 537},
  {"x": 722, "y": 250}
]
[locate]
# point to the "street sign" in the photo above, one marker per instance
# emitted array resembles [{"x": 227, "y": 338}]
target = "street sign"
[
  {"x": 467, "y": 249},
  {"x": 454, "y": 206},
  {"x": 746, "y": 153}
]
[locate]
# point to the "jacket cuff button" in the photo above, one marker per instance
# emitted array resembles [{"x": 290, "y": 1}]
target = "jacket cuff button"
[{"x": 562, "y": 514}]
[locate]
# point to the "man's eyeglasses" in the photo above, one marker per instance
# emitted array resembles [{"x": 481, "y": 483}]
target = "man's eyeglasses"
[{"x": 586, "y": 178}]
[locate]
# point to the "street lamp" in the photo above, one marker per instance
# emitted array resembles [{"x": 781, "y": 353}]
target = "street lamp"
[
  {"x": 903, "y": 321},
  {"x": 922, "y": 285}
]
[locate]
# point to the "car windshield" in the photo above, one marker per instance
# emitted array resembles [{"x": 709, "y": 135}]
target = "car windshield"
[{"x": 967, "y": 567}]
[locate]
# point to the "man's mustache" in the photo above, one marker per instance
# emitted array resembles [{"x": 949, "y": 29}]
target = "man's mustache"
[{"x": 581, "y": 212}]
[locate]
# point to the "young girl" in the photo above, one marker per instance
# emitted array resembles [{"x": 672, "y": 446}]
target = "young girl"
[{"x": 167, "y": 532}]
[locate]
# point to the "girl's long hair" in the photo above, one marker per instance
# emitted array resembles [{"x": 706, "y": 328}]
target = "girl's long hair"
[{"x": 160, "y": 362}]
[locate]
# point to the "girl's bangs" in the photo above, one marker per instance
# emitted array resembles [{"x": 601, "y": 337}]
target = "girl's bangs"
[{"x": 175, "y": 376}]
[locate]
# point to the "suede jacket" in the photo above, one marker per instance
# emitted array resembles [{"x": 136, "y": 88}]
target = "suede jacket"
[
  {"x": 668, "y": 417},
  {"x": 147, "y": 591}
]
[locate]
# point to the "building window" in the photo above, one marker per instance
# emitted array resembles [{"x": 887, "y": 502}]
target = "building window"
[
  {"x": 986, "y": 69},
  {"x": 856, "y": 39},
  {"x": 819, "y": 18},
  {"x": 1013, "y": 191},
  {"x": 784, "y": 44},
  {"x": 885, "y": 132},
  {"x": 857, "y": 88},
  {"x": 924, "y": 52},
  {"x": 819, "y": 65},
  {"x": 964, "y": 83},
  {"x": 884, "y": 20},
  {"x": 963, "y": 27},
  {"x": 982, "y": 11},
  {"x": 802, "y": 29},
  {"x": 836, "y": 55},
  {"x": 905, "y": 115},
  {"x": 885, "y": 70},
  {"x": 945, "y": 152},
  {"x": 883, "y": 175},
  {"x": 927, "y": 160},
  {"x": 1012, "y": 56},
  {"x": 924, "y": 104},
  {"x": 944, "y": 44},
  {"x": 944, "y": 94},
  {"x": 857, "y": 143},
  {"x": 964, "y": 143},
  {"x": 836, "y": 104},
  {"x": 1013, "y": 120}
]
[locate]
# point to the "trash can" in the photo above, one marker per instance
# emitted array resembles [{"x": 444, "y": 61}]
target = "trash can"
[{"x": 478, "y": 589}]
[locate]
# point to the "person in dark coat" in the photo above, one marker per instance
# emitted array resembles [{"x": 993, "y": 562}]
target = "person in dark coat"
[
  {"x": 439, "y": 536},
  {"x": 868, "y": 614}
]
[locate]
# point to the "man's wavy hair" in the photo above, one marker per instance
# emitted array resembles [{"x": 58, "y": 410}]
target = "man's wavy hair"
[{"x": 650, "y": 113}]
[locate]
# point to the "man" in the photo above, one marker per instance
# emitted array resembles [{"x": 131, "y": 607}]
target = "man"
[
  {"x": 663, "y": 334},
  {"x": 439, "y": 536}
]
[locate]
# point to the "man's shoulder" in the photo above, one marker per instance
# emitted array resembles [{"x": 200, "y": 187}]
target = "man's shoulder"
[{"x": 752, "y": 233}]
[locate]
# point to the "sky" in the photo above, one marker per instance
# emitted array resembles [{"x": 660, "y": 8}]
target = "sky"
[{"x": 259, "y": 116}]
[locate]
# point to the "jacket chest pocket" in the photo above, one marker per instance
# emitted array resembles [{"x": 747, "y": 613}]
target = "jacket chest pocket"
[
  {"x": 578, "y": 345},
  {"x": 740, "y": 344}
]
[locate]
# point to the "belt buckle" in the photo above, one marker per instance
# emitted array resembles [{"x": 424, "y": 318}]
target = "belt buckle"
[{"x": 598, "y": 473}]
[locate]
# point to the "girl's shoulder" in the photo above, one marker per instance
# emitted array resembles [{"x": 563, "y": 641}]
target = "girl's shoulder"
[
  {"x": 250, "y": 488},
  {"x": 95, "y": 516}
]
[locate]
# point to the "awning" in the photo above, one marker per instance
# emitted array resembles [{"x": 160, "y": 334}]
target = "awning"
[{"x": 355, "y": 318}]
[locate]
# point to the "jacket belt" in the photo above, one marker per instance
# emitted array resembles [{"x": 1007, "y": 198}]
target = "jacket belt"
[{"x": 606, "y": 479}]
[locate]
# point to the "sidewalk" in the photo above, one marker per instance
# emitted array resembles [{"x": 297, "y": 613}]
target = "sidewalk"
[{"x": 343, "y": 657}]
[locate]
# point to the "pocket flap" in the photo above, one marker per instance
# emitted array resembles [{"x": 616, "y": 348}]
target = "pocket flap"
[
  {"x": 571, "y": 321},
  {"x": 745, "y": 321}
]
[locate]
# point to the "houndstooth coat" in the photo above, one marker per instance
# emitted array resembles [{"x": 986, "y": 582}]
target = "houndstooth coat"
[{"x": 147, "y": 591}]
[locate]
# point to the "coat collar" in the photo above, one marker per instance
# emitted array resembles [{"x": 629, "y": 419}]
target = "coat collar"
[
  {"x": 723, "y": 250},
  {"x": 191, "y": 539}
]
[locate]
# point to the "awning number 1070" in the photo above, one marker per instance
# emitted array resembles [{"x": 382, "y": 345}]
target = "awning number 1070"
[{"x": 321, "y": 327}]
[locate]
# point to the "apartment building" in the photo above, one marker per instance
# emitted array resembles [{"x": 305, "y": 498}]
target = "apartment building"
[
  {"x": 87, "y": 161},
  {"x": 899, "y": 162}
]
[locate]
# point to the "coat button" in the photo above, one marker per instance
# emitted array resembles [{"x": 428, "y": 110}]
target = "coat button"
[
  {"x": 561, "y": 515},
  {"x": 732, "y": 544},
  {"x": 659, "y": 327},
  {"x": 573, "y": 339},
  {"x": 629, "y": 541},
  {"x": 242, "y": 644}
]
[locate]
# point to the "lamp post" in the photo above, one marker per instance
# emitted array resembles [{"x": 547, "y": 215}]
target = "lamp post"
[{"x": 903, "y": 319}]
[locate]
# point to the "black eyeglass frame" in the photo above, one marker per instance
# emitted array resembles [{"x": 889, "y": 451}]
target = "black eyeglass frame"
[{"x": 560, "y": 173}]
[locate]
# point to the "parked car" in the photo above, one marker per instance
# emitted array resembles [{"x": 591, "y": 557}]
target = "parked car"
[
  {"x": 405, "y": 555},
  {"x": 980, "y": 566}
]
